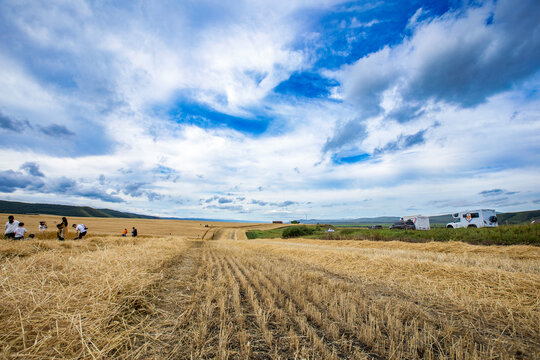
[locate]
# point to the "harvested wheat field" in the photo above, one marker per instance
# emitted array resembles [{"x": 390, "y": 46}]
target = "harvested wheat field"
[{"x": 218, "y": 295}]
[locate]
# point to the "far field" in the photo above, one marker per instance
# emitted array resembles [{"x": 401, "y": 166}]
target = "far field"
[
  {"x": 525, "y": 234},
  {"x": 187, "y": 291}
]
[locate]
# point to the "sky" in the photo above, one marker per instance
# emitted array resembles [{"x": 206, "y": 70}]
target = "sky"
[{"x": 271, "y": 110}]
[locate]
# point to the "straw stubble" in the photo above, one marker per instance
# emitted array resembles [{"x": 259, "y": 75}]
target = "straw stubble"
[{"x": 188, "y": 298}]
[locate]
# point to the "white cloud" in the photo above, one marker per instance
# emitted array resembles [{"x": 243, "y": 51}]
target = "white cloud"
[{"x": 116, "y": 66}]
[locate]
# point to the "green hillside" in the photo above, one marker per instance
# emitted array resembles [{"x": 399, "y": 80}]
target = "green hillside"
[
  {"x": 511, "y": 218},
  {"x": 518, "y": 217},
  {"x": 14, "y": 207}
]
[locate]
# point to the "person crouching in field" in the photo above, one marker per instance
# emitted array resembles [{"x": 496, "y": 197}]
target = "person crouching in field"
[
  {"x": 62, "y": 228},
  {"x": 42, "y": 226},
  {"x": 124, "y": 232},
  {"x": 11, "y": 226},
  {"x": 80, "y": 231},
  {"x": 19, "y": 233}
]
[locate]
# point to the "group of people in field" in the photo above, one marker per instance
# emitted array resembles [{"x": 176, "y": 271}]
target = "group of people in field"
[
  {"x": 15, "y": 230},
  {"x": 80, "y": 230},
  {"x": 133, "y": 232}
]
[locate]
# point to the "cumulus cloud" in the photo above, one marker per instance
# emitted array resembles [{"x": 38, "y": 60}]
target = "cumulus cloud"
[
  {"x": 32, "y": 168},
  {"x": 496, "y": 192},
  {"x": 133, "y": 189},
  {"x": 12, "y": 180},
  {"x": 403, "y": 142},
  {"x": 235, "y": 208},
  {"x": 241, "y": 203},
  {"x": 10, "y": 124},
  {"x": 95, "y": 193},
  {"x": 7, "y": 123},
  {"x": 35, "y": 182},
  {"x": 65, "y": 186},
  {"x": 459, "y": 58},
  {"x": 346, "y": 134},
  {"x": 140, "y": 189},
  {"x": 286, "y": 203},
  {"x": 465, "y": 59},
  {"x": 56, "y": 130},
  {"x": 491, "y": 192},
  {"x": 124, "y": 78}
]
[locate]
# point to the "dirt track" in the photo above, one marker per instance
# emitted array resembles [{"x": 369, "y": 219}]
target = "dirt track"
[{"x": 218, "y": 304}]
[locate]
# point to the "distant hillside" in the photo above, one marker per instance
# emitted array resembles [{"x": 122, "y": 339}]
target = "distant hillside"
[
  {"x": 519, "y": 217},
  {"x": 14, "y": 207},
  {"x": 375, "y": 220},
  {"x": 504, "y": 218}
]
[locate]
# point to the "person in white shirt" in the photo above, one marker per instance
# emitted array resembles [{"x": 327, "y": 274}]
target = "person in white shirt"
[
  {"x": 19, "y": 232},
  {"x": 80, "y": 231},
  {"x": 10, "y": 227}
]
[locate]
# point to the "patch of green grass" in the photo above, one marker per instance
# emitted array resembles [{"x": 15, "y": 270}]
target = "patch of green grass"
[
  {"x": 264, "y": 234},
  {"x": 297, "y": 231},
  {"x": 502, "y": 235}
]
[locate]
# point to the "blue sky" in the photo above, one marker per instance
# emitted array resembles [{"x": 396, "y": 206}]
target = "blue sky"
[{"x": 264, "y": 110}]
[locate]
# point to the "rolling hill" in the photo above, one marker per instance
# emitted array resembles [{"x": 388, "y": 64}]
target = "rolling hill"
[
  {"x": 65, "y": 210},
  {"x": 504, "y": 218}
]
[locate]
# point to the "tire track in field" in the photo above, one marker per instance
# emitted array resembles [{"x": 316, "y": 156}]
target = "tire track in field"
[
  {"x": 261, "y": 316},
  {"x": 310, "y": 317},
  {"x": 345, "y": 306},
  {"x": 248, "y": 335},
  {"x": 342, "y": 333},
  {"x": 174, "y": 306},
  {"x": 287, "y": 315}
]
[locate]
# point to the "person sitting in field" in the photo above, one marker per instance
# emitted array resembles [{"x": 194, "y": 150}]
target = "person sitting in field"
[
  {"x": 134, "y": 232},
  {"x": 19, "y": 232},
  {"x": 80, "y": 231},
  {"x": 42, "y": 226},
  {"x": 11, "y": 226},
  {"x": 124, "y": 232}
]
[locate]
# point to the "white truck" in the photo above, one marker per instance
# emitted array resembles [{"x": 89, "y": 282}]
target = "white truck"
[
  {"x": 474, "y": 219},
  {"x": 420, "y": 222}
]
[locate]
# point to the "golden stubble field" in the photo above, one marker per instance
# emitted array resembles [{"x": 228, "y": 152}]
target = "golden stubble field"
[
  {"x": 145, "y": 227},
  {"x": 225, "y": 297}
]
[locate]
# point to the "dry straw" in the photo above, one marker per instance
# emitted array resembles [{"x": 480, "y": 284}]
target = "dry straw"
[
  {"x": 172, "y": 297},
  {"x": 73, "y": 299}
]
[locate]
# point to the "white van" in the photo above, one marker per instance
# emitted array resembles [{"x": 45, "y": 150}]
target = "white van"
[
  {"x": 474, "y": 219},
  {"x": 420, "y": 222}
]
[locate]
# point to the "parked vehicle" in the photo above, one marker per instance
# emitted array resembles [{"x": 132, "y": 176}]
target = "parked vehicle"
[
  {"x": 474, "y": 219},
  {"x": 420, "y": 222},
  {"x": 404, "y": 225},
  {"x": 376, "y": 226}
]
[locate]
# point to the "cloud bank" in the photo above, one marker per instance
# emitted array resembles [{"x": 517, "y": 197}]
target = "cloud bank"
[{"x": 261, "y": 110}]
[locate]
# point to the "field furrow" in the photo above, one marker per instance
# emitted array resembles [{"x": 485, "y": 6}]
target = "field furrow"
[
  {"x": 321, "y": 335},
  {"x": 245, "y": 331},
  {"x": 288, "y": 284},
  {"x": 388, "y": 319}
]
